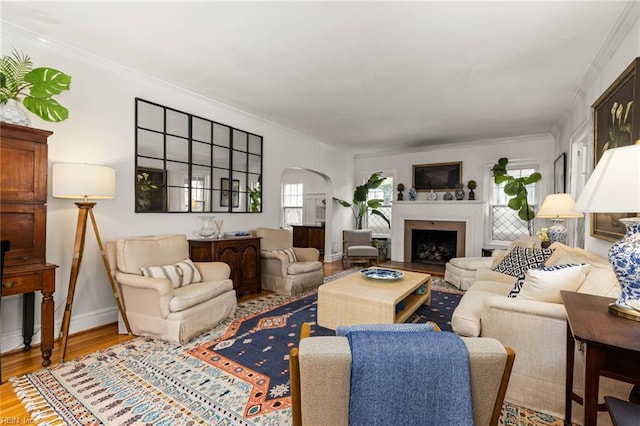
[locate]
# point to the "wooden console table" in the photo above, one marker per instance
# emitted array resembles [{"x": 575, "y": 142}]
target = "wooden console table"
[
  {"x": 25, "y": 280},
  {"x": 242, "y": 254},
  {"x": 611, "y": 348}
]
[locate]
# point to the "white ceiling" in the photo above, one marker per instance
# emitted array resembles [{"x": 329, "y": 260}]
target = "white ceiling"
[{"x": 366, "y": 76}]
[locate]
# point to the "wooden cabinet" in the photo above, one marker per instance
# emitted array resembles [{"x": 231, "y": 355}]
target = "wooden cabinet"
[
  {"x": 23, "y": 221},
  {"x": 309, "y": 236},
  {"x": 242, "y": 254}
]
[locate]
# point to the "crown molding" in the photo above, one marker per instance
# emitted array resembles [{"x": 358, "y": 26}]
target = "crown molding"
[
  {"x": 620, "y": 29},
  {"x": 458, "y": 145}
]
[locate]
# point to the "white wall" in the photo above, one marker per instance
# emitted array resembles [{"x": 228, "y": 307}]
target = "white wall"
[
  {"x": 100, "y": 130},
  {"x": 622, "y": 49},
  {"x": 477, "y": 159}
]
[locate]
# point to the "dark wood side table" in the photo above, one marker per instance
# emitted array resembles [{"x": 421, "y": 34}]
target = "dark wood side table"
[
  {"x": 25, "y": 280},
  {"x": 242, "y": 254},
  {"x": 611, "y": 348}
]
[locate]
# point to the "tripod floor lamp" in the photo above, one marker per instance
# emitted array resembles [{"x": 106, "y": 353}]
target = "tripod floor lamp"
[{"x": 85, "y": 182}]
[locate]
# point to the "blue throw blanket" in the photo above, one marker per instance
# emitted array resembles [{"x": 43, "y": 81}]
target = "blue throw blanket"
[{"x": 415, "y": 378}]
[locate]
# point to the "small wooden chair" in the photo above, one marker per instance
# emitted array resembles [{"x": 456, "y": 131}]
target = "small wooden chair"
[{"x": 359, "y": 246}]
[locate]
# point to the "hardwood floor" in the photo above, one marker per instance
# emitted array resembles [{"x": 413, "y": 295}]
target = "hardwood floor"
[{"x": 19, "y": 362}]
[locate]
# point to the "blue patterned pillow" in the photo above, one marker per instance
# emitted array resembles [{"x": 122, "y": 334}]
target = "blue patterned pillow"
[{"x": 519, "y": 260}]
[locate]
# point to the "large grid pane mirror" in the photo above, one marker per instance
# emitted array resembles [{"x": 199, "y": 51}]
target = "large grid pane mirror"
[{"x": 186, "y": 163}]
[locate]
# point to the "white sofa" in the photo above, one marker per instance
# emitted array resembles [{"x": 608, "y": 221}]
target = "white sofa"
[{"x": 536, "y": 330}]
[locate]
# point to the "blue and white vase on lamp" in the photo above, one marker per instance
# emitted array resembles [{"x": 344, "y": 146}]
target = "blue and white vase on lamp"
[
  {"x": 624, "y": 256},
  {"x": 557, "y": 232}
]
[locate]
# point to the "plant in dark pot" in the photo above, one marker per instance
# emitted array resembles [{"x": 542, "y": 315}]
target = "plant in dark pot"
[
  {"x": 517, "y": 189},
  {"x": 360, "y": 206},
  {"x": 35, "y": 87}
]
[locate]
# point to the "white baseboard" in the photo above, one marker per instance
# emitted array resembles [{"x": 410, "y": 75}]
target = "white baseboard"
[{"x": 12, "y": 340}]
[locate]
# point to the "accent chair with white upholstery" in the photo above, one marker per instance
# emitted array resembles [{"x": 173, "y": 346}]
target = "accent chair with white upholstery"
[
  {"x": 358, "y": 244},
  {"x": 166, "y": 295},
  {"x": 287, "y": 269}
]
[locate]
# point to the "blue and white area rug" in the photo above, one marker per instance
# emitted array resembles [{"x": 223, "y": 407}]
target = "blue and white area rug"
[{"x": 236, "y": 374}]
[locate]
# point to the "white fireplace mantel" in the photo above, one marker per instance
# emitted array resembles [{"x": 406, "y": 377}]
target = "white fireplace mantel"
[{"x": 470, "y": 212}]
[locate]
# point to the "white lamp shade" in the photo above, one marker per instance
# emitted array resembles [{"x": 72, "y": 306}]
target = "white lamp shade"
[
  {"x": 558, "y": 206},
  {"x": 614, "y": 185},
  {"x": 83, "y": 181}
]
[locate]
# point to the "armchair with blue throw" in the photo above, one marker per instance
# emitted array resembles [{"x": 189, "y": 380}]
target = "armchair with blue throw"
[{"x": 404, "y": 374}]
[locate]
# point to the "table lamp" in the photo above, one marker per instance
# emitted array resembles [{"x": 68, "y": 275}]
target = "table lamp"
[
  {"x": 614, "y": 187},
  {"x": 558, "y": 207},
  {"x": 85, "y": 182}
]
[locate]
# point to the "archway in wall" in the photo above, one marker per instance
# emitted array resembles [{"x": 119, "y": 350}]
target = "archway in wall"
[{"x": 319, "y": 186}]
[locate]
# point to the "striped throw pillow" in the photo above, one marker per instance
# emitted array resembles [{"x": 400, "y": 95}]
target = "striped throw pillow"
[
  {"x": 291, "y": 255},
  {"x": 181, "y": 273}
]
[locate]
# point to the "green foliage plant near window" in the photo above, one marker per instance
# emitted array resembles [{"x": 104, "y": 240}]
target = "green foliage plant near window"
[
  {"x": 34, "y": 86},
  {"x": 360, "y": 206},
  {"x": 516, "y": 188}
]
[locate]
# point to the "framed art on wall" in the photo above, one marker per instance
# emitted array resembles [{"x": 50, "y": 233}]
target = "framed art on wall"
[
  {"x": 616, "y": 124},
  {"x": 438, "y": 176},
  {"x": 559, "y": 168}
]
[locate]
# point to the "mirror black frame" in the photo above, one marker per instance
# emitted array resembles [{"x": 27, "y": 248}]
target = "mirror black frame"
[{"x": 185, "y": 163}]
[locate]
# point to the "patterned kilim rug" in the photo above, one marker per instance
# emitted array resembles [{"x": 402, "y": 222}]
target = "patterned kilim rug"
[{"x": 236, "y": 374}]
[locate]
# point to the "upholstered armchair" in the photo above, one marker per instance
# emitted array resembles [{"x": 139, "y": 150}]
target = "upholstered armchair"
[
  {"x": 358, "y": 244},
  {"x": 166, "y": 295},
  {"x": 287, "y": 269},
  {"x": 321, "y": 377}
]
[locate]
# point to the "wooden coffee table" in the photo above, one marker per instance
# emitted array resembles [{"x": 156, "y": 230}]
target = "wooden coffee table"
[{"x": 355, "y": 299}]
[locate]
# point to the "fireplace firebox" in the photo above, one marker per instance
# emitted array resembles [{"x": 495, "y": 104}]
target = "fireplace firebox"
[
  {"x": 432, "y": 246},
  {"x": 433, "y": 241}
]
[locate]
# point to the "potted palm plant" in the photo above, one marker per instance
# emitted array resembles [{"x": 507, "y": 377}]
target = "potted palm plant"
[
  {"x": 35, "y": 87},
  {"x": 360, "y": 206}
]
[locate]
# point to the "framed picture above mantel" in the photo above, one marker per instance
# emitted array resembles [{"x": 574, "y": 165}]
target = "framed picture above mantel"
[
  {"x": 437, "y": 176},
  {"x": 616, "y": 123}
]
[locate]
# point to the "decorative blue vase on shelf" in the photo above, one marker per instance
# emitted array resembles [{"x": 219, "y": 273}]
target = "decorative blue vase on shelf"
[
  {"x": 447, "y": 196},
  {"x": 412, "y": 194}
]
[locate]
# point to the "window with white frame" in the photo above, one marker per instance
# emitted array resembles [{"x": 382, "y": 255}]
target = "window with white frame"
[
  {"x": 292, "y": 204},
  {"x": 378, "y": 226},
  {"x": 505, "y": 225}
]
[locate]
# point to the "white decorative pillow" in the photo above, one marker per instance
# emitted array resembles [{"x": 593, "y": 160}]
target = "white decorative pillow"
[
  {"x": 181, "y": 273},
  {"x": 544, "y": 284},
  {"x": 291, "y": 255}
]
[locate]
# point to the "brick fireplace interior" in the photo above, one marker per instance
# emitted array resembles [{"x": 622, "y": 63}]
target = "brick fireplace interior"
[{"x": 433, "y": 241}]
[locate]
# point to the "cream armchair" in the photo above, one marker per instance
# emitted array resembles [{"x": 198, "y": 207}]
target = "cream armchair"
[
  {"x": 287, "y": 269},
  {"x": 156, "y": 306}
]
